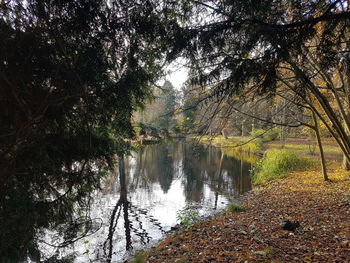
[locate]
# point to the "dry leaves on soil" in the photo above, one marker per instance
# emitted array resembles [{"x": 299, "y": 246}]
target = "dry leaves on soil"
[{"x": 256, "y": 235}]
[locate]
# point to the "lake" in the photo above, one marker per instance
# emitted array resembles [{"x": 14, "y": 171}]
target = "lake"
[{"x": 135, "y": 211}]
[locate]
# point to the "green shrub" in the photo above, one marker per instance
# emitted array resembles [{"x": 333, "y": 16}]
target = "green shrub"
[
  {"x": 266, "y": 135},
  {"x": 137, "y": 130},
  {"x": 187, "y": 216},
  {"x": 253, "y": 147},
  {"x": 233, "y": 207},
  {"x": 272, "y": 134},
  {"x": 277, "y": 164},
  {"x": 257, "y": 133}
]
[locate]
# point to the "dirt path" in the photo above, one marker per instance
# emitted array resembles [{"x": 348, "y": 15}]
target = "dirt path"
[{"x": 256, "y": 235}]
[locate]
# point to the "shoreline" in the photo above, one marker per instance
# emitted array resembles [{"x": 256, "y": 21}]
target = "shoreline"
[{"x": 256, "y": 235}]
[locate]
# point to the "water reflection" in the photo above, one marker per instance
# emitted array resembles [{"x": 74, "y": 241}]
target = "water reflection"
[
  {"x": 121, "y": 206},
  {"x": 136, "y": 205},
  {"x": 27, "y": 213},
  {"x": 160, "y": 180}
]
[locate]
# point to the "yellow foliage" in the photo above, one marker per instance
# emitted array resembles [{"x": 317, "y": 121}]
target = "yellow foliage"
[{"x": 177, "y": 111}]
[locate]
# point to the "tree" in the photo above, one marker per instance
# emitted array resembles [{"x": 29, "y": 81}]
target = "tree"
[
  {"x": 160, "y": 112},
  {"x": 71, "y": 74},
  {"x": 261, "y": 45}
]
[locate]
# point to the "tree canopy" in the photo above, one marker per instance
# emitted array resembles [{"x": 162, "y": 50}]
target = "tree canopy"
[
  {"x": 259, "y": 47},
  {"x": 73, "y": 72},
  {"x": 71, "y": 75}
]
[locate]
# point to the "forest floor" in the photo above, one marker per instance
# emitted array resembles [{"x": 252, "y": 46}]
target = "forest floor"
[{"x": 256, "y": 235}]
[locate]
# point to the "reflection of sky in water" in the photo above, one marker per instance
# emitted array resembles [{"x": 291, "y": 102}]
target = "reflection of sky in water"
[{"x": 160, "y": 181}]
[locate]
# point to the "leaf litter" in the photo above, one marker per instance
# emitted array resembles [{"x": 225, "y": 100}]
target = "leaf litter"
[{"x": 322, "y": 210}]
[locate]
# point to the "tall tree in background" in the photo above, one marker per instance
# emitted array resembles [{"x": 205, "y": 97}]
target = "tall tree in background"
[
  {"x": 169, "y": 100},
  {"x": 160, "y": 112}
]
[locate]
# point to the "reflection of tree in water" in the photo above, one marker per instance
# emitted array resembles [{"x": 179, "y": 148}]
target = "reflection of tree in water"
[
  {"x": 53, "y": 212},
  {"x": 131, "y": 215},
  {"x": 122, "y": 204},
  {"x": 154, "y": 164},
  {"x": 208, "y": 165},
  {"x": 232, "y": 176},
  {"x": 196, "y": 164},
  {"x": 28, "y": 208},
  {"x": 194, "y": 174},
  {"x": 198, "y": 167}
]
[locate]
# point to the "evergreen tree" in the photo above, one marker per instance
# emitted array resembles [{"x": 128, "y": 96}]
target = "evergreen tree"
[{"x": 71, "y": 74}]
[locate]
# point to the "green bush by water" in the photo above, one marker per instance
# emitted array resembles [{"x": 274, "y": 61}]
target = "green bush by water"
[
  {"x": 252, "y": 147},
  {"x": 266, "y": 135},
  {"x": 187, "y": 217},
  {"x": 233, "y": 207},
  {"x": 277, "y": 164}
]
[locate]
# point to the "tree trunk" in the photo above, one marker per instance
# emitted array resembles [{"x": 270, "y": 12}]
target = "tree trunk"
[
  {"x": 319, "y": 142},
  {"x": 346, "y": 163},
  {"x": 122, "y": 178},
  {"x": 223, "y": 132},
  {"x": 337, "y": 129}
]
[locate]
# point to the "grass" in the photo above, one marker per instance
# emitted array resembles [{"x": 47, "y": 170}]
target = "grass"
[
  {"x": 187, "y": 217},
  {"x": 280, "y": 157},
  {"x": 277, "y": 164},
  {"x": 266, "y": 135},
  {"x": 236, "y": 145},
  {"x": 233, "y": 208},
  {"x": 140, "y": 257},
  {"x": 307, "y": 149},
  {"x": 244, "y": 144}
]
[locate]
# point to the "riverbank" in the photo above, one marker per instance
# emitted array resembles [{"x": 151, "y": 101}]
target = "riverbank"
[
  {"x": 256, "y": 235},
  {"x": 301, "y": 146}
]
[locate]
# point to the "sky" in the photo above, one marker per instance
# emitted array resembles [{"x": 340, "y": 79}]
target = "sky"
[{"x": 177, "y": 74}]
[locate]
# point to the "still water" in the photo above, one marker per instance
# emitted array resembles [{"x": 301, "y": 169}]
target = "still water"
[{"x": 134, "y": 212}]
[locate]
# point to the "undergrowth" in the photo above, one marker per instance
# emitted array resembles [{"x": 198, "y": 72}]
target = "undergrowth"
[
  {"x": 233, "y": 207},
  {"x": 266, "y": 135},
  {"x": 187, "y": 217},
  {"x": 247, "y": 145},
  {"x": 140, "y": 257},
  {"x": 277, "y": 164}
]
